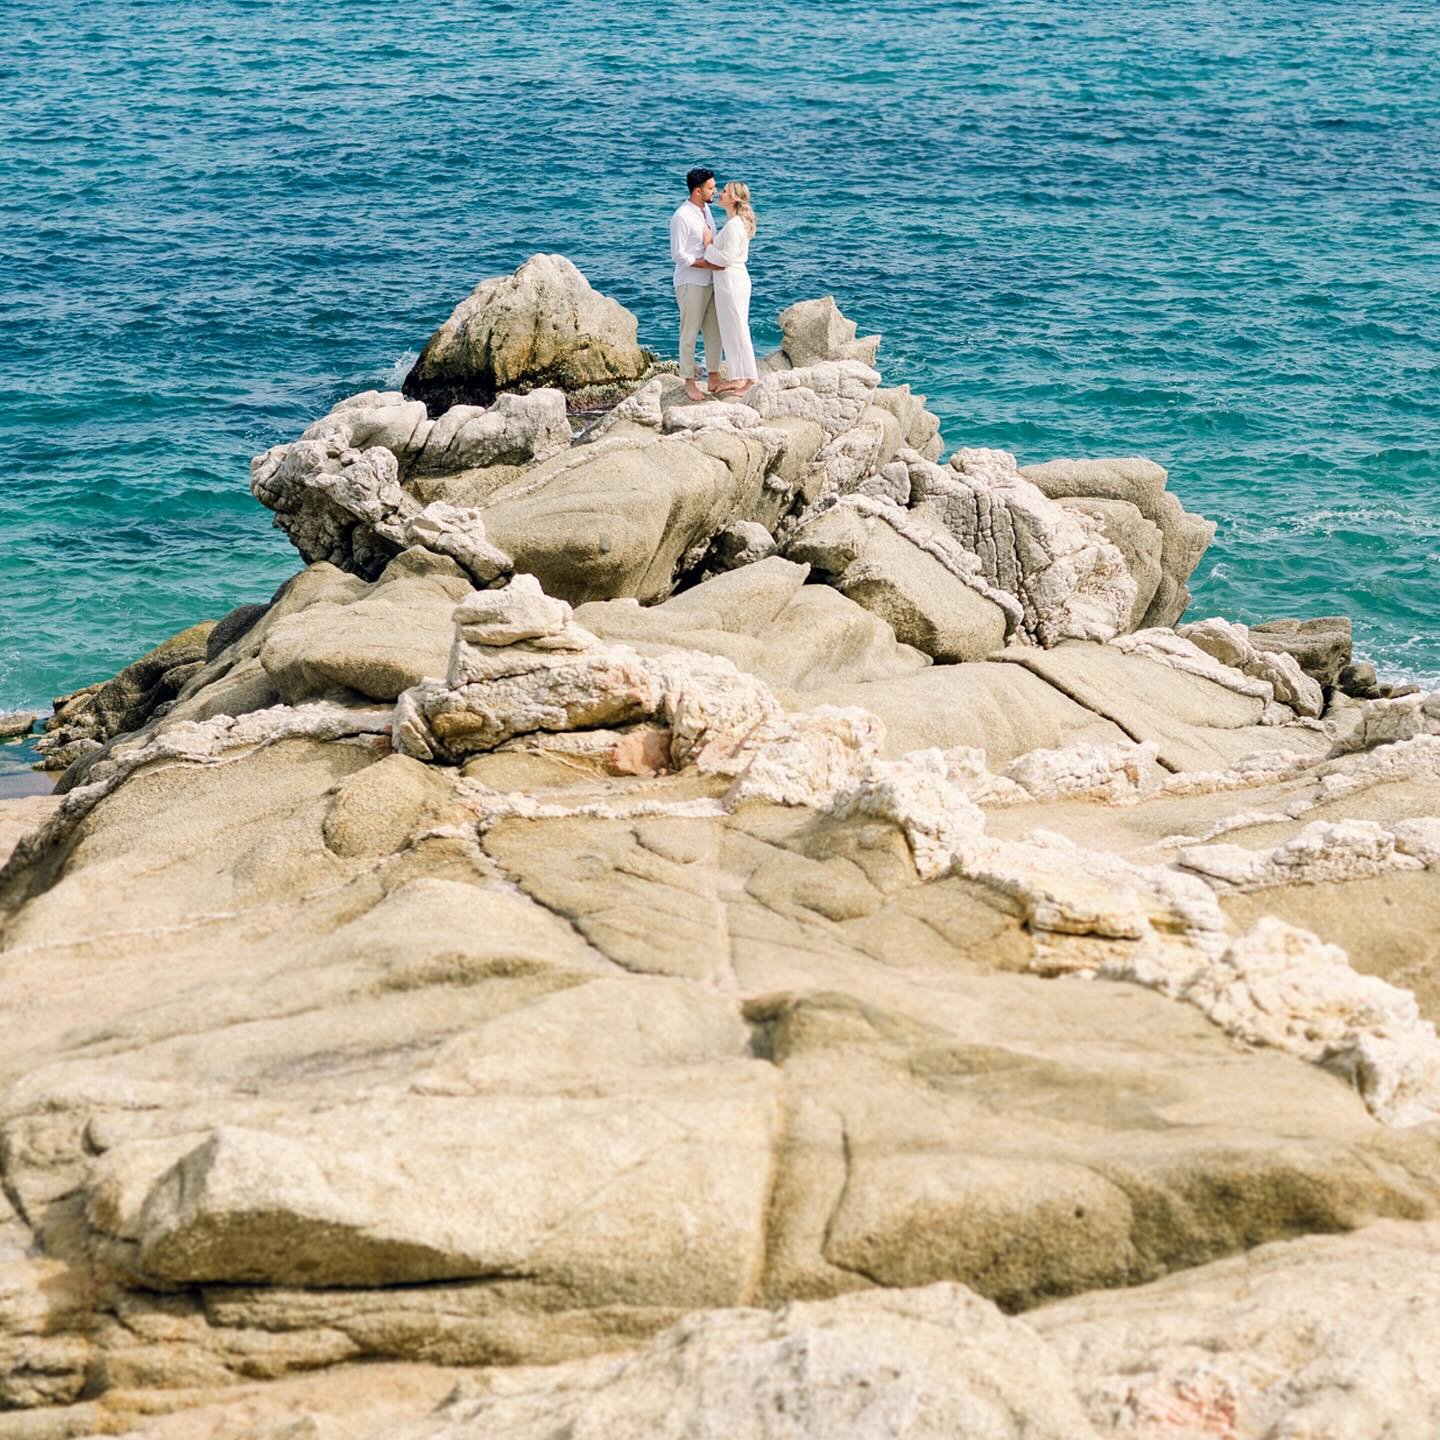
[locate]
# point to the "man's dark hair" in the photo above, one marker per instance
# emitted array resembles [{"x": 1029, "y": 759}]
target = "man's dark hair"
[{"x": 695, "y": 178}]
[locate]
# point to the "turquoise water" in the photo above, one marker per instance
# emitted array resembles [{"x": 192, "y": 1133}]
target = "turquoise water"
[{"x": 1205, "y": 232}]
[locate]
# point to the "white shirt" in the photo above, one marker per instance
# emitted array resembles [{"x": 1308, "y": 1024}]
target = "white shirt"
[
  {"x": 687, "y": 243},
  {"x": 731, "y": 247}
]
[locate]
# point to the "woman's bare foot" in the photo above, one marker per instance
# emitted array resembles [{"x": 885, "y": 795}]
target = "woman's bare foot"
[{"x": 737, "y": 388}]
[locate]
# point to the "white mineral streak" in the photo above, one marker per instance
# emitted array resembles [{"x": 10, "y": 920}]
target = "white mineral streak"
[
  {"x": 1070, "y": 581},
  {"x": 1118, "y": 774},
  {"x": 803, "y": 759},
  {"x": 1166, "y": 647},
  {"x": 197, "y": 742},
  {"x": 1324, "y": 852},
  {"x": 1231, "y": 645},
  {"x": 1281, "y": 986}
]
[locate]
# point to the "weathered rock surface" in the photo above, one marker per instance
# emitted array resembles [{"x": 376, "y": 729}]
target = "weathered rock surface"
[
  {"x": 542, "y": 326},
  {"x": 1321, "y": 646},
  {"x": 562, "y": 946},
  {"x": 14, "y": 723},
  {"x": 1141, "y": 483},
  {"x": 85, "y": 720}
]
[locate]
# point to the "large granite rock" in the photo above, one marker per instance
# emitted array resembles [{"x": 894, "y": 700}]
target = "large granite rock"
[
  {"x": 1141, "y": 483},
  {"x": 543, "y": 326}
]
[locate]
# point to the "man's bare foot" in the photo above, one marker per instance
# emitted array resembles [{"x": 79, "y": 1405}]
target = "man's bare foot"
[
  {"x": 692, "y": 390},
  {"x": 718, "y": 387}
]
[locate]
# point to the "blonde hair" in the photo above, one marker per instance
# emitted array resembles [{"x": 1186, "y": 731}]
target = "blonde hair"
[{"x": 743, "y": 208}]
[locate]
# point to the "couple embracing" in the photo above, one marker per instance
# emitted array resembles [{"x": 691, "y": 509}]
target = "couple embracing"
[{"x": 712, "y": 285}]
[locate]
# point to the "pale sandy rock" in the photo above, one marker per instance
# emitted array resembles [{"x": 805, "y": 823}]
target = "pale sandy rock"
[
  {"x": 815, "y": 330},
  {"x": 1233, "y": 645},
  {"x": 348, "y": 507},
  {"x": 519, "y": 665},
  {"x": 1384, "y": 722},
  {"x": 641, "y": 409},
  {"x": 806, "y": 759},
  {"x": 920, "y": 428},
  {"x": 378, "y": 645},
  {"x": 1139, "y": 540},
  {"x": 20, "y": 815},
  {"x": 1321, "y": 646},
  {"x": 1141, "y": 483},
  {"x": 922, "y": 600},
  {"x": 541, "y": 326},
  {"x": 122, "y": 704},
  {"x": 937, "y": 1362},
  {"x": 1324, "y": 1336},
  {"x": 1325, "y": 851},
  {"x": 624, "y": 516},
  {"x": 765, "y": 619},
  {"x": 373, "y": 417},
  {"x": 1117, "y": 774},
  {"x": 1002, "y": 709},
  {"x": 832, "y": 393},
  {"x": 743, "y": 543},
  {"x": 194, "y": 742},
  {"x": 14, "y": 723},
  {"x": 1201, "y": 721},
  {"x": 708, "y": 414},
  {"x": 515, "y": 430},
  {"x": 1069, "y": 579}
]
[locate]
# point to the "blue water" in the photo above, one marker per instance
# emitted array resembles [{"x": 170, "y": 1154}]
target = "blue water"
[{"x": 1207, "y": 232}]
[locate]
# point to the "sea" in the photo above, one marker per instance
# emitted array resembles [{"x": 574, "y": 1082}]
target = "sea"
[{"x": 1206, "y": 231}]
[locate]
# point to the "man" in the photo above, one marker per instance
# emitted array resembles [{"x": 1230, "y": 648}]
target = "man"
[{"x": 691, "y": 230}]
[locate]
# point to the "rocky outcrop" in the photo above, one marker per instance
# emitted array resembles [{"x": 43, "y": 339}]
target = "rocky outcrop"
[
  {"x": 1140, "y": 484},
  {"x": 574, "y": 960},
  {"x": 542, "y": 327},
  {"x": 1321, "y": 647},
  {"x": 15, "y": 723},
  {"x": 83, "y": 721}
]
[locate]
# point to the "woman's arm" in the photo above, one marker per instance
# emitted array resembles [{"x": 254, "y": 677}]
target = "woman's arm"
[{"x": 724, "y": 249}]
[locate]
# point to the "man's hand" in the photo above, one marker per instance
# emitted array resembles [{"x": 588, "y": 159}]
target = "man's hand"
[{"x": 709, "y": 236}]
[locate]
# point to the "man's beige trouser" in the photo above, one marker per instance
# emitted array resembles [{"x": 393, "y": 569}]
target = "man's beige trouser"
[{"x": 697, "y": 313}]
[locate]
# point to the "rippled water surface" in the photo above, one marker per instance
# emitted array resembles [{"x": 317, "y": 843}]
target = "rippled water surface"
[{"x": 1206, "y": 232}]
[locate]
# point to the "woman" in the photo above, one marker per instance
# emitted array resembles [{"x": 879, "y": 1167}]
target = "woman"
[{"x": 728, "y": 253}]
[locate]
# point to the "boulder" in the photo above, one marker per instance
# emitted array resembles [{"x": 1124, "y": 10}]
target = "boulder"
[
  {"x": 1360, "y": 680},
  {"x": 931, "y": 1364},
  {"x": 1321, "y": 646},
  {"x": 627, "y": 517},
  {"x": 1141, "y": 483},
  {"x": 15, "y": 723},
  {"x": 542, "y": 326},
  {"x": 815, "y": 330},
  {"x": 1327, "y": 1335},
  {"x": 769, "y": 623},
  {"x": 1139, "y": 540},
  {"x": 924, "y": 603},
  {"x": 386, "y": 640},
  {"x": 1068, "y": 579}
]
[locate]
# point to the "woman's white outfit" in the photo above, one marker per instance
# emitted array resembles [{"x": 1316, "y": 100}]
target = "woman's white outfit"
[{"x": 731, "y": 248}]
